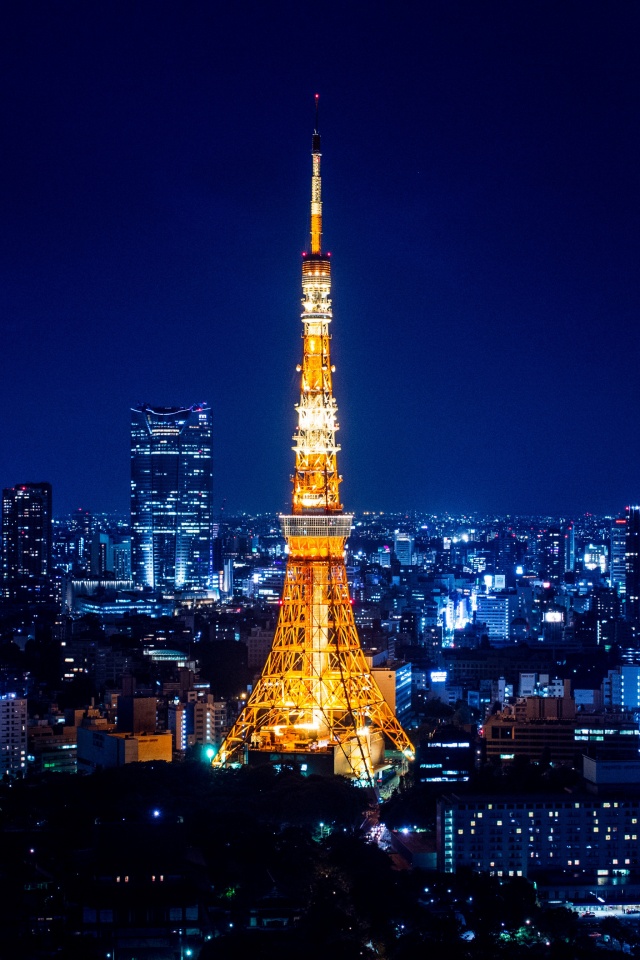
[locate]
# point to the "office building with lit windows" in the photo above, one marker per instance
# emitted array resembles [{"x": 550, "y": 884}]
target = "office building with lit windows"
[
  {"x": 13, "y": 735},
  {"x": 403, "y": 545},
  {"x": 571, "y": 845},
  {"x": 171, "y": 497},
  {"x": 496, "y": 611},
  {"x": 26, "y": 543}
]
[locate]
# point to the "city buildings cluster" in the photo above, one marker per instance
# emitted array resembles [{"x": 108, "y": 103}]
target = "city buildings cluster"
[{"x": 506, "y": 646}]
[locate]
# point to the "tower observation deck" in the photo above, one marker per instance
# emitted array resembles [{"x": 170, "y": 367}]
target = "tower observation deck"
[{"x": 316, "y": 703}]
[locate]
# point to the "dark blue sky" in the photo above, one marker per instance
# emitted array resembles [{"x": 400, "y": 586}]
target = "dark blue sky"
[{"x": 480, "y": 177}]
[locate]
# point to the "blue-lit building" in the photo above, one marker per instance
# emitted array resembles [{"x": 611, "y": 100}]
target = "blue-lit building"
[{"x": 171, "y": 497}]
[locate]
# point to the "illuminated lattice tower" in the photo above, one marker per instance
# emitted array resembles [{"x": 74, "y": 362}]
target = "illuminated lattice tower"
[{"x": 316, "y": 701}]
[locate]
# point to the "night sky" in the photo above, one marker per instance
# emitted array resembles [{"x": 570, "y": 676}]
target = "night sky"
[{"x": 481, "y": 204}]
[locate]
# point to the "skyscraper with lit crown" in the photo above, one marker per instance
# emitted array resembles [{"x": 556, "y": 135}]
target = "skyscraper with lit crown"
[
  {"x": 171, "y": 497},
  {"x": 316, "y": 704}
]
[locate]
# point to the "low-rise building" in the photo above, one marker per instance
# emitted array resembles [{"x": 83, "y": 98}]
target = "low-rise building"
[
  {"x": 573, "y": 846},
  {"x": 52, "y": 748},
  {"x": 101, "y": 749}
]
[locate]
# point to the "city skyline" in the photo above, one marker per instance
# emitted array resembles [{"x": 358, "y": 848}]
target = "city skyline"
[{"x": 484, "y": 230}]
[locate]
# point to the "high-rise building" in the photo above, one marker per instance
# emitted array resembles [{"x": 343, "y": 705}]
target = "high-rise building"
[
  {"x": 403, "y": 544},
  {"x": 101, "y": 554},
  {"x": 171, "y": 497},
  {"x": 569, "y": 548},
  {"x": 122, "y": 559},
  {"x": 551, "y": 554},
  {"x": 617, "y": 569},
  {"x": 82, "y": 525},
  {"x": 316, "y": 704},
  {"x": 632, "y": 567},
  {"x": 496, "y": 611},
  {"x": 13, "y": 735},
  {"x": 26, "y": 543}
]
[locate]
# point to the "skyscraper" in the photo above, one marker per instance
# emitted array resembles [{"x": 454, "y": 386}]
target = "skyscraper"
[
  {"x": 171, "y": 496},
  {"x": 632, "y": 568},
  {"x": 26, "y": 543},
  {"x": 551, "y": 554},
  {"x": 316, "y": 703},
  {"x": 617, "y": 569}
]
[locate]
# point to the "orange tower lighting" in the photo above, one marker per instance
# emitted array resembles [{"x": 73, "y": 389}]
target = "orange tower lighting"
[{"x": 316, "y": 700}]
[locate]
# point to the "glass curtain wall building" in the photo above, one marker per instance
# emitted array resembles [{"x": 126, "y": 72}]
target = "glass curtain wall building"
[{"x": 171, "y": 497}]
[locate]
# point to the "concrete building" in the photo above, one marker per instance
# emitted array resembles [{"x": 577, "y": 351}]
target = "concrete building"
[
  {"x": 102, "y": 749},
  {"x": 52, "y": 748},
  {"x": 395, "y": 686},
  {"x": 13, "y": 735},
  {"x": 137, "y": 714}
]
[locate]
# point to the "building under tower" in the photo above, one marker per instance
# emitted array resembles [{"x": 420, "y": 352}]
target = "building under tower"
[
  {"x": 316, "y": 704},
  {"x": 171, "y": 497}
]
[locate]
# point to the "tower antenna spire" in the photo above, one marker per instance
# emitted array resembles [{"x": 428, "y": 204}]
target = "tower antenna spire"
[{"x": 316, "y": 189}]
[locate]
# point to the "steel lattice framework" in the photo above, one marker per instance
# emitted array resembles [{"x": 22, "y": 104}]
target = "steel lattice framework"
[{"x": 316, "y": 694}]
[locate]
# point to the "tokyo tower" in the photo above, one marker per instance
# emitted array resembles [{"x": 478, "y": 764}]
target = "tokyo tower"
[{"x": 316, "y": 704}]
